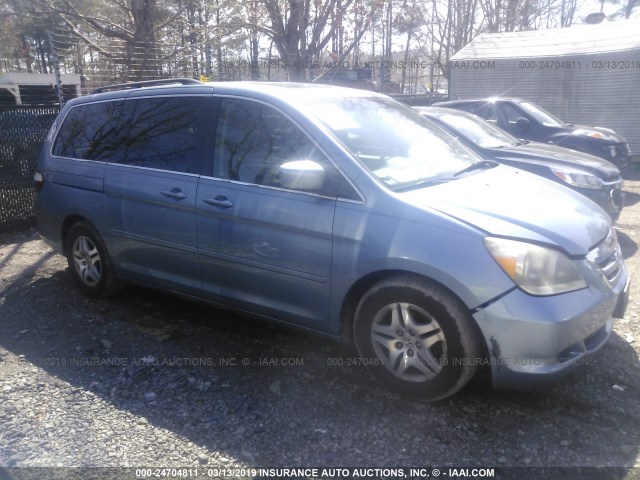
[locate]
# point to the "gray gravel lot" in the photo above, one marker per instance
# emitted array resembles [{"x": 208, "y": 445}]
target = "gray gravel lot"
[{"x": 146, "y": 379}]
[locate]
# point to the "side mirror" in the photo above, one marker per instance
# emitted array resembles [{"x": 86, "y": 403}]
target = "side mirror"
[
  {"x": 305, "y": 175},
  {"x": 523, "y": 124}
]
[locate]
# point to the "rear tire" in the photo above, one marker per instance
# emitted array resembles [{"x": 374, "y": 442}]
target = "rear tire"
[
  {"x": 89, "y": 262},
  {"x": 418, "y": 339}
]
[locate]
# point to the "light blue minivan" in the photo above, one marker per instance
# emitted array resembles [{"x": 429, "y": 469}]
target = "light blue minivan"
[{"x": 338, "y": 211}]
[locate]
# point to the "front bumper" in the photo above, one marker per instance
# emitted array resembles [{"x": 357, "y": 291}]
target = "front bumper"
[
  {"x": 532, "y": 341},
  {"x": 620, "y": 154},
  {"x": 610, "y": 197},
  {"x": 617, "y": 153}
]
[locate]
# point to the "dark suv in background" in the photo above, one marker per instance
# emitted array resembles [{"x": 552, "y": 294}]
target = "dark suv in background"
[{"x": 529, "y": 121}]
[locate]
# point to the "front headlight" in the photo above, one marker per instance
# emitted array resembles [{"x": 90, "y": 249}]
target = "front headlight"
[
  {"x": 536, "y": 270},
  {"x": 594, "y": 134},
  {"x": 577, "y": 178}
]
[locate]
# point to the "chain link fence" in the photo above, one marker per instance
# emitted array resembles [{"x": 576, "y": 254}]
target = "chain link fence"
[{"x": 22, "y": 132}]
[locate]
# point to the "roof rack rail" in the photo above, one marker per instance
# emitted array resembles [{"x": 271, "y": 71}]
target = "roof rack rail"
[{"x": 147, "y": 83}]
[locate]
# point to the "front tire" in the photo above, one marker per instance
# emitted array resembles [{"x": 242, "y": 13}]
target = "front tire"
[
  {"x": 89, "y": 262},
  {"x": 419, "y": 340}
]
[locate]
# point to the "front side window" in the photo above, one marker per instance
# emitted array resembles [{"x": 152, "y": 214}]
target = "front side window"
[
  {"x": 166, "y": 133},
  {"x": 96, "y": 131},
  {"x": 541, "y": 115},
  {"x": 511, "y": 114},
  {"x": 256, "y": 143}
]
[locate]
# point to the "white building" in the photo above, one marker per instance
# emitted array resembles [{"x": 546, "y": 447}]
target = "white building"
[{"x": 587, "y": 74}]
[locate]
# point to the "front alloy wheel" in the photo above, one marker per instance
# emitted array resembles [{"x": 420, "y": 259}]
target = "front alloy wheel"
[
  {"x": 418, "y": 339},
  {"x": 409, "y": 342}
]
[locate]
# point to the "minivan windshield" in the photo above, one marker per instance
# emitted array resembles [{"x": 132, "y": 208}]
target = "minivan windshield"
[{"x": 393, "y": 141}]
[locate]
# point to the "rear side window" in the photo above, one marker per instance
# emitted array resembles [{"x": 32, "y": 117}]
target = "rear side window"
[
  {"x": 166, "y": 133},
  {"x": 96, "y": 131}
]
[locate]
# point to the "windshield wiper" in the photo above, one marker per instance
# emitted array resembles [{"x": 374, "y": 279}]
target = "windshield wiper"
[
  {"x": 481, "y": 165},
  {"x": 422, "y": 182}
]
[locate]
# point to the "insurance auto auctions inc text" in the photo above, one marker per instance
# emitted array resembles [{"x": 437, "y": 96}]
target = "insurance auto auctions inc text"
[{"x": 377, "y": 473}]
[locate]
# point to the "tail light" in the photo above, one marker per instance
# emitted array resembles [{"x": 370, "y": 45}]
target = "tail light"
[{"x": 38, "y": 180}]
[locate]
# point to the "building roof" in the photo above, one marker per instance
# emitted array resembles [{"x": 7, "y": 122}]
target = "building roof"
[{"x": 606, "y": 37}]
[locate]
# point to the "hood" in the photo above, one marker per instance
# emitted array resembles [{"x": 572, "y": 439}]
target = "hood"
[
  {"x": 507, "y": 202},
  {"x": 551, "y": 155}
]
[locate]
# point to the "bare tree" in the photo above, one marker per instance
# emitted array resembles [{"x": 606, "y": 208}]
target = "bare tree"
[
  {"x": 408, "y": 22},
  {"x": 567, "y": 12},
  {"x": 518, "y": 15},
  {"x": 301, "y": 29},
  {"x": 625, "y": 7},
  {"x": 135, "y": 22},
  {"x": 452, "y": 26},
  {"x": 24, "y": 37}
]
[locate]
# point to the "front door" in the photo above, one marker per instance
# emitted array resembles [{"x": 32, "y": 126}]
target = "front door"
[{"x": 264, "y": 245}]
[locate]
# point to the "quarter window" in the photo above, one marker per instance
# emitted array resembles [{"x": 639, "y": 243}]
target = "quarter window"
[{"x": 96, "y": 131}]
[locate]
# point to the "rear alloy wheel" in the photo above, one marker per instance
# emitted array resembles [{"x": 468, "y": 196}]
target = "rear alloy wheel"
[
  {"x": 419, "y": 340},
  {"x": 89, "y": 262}
]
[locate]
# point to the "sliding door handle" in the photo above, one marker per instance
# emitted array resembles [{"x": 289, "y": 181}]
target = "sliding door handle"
[
  {"x": 174, "y": 193},
  {"x": 219, "y": 201}
]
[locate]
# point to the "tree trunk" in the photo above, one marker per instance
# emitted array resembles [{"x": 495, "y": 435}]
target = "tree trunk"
[
  {"x": 142, "y": 49},
  {"x": 406, "y": 61},
  {"x": 254, "y": 44},
  {"x": 26, "y": 53},
  {"x": 41, "y": 53}
]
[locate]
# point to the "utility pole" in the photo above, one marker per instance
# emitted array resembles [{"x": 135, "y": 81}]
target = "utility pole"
[{"x": 56, "y": 70}]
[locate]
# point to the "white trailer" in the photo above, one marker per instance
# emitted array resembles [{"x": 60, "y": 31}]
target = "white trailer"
[{"x": 20, "y": 88}]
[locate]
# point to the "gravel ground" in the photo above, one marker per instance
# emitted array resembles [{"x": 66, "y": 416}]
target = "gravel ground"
[{"x": 146, "y": 379}]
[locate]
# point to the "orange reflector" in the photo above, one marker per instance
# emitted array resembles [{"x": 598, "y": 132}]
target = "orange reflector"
[{"x": 508, "y": 264}]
